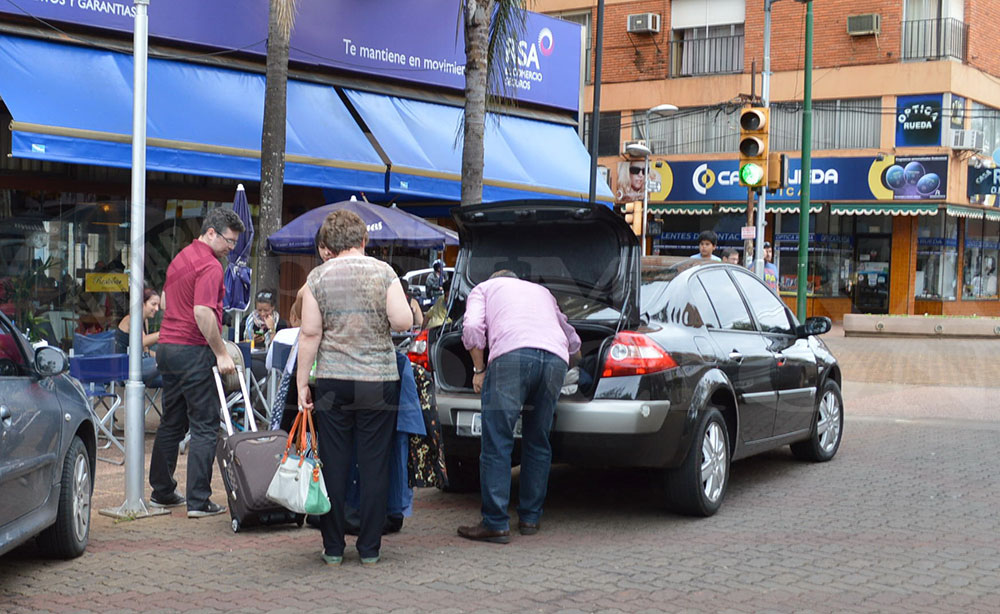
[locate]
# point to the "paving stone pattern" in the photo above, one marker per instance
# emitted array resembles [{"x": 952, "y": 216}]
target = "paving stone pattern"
[{"x": 903, "y": 520}]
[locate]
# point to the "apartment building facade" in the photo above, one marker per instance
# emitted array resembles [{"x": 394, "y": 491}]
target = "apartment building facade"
[{"x": 903, "y": 215}]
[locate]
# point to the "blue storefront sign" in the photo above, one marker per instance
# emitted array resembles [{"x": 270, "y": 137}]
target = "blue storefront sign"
[
  {"x": 840, "y": 179},
  {"x": 918, "y": 120},
  {"x": 419, "y": 42},
  {"x": 983, "y": 181}
]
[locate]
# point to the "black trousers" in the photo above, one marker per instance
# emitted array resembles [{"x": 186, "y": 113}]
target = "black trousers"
[
  {"x": 190, "y": 402},
  {"x": 349, "y": 412}
]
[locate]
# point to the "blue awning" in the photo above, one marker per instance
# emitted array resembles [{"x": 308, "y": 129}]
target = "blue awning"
[
  {"x": 523, "y": 158},
  {"x": 74, "y": 104}
]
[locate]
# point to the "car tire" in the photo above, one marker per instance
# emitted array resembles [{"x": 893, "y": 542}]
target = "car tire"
[
  {"x": 463, "y": 474},
  {"x": 67, "y": 538},
  {"x": 827, "y": 429},
  {"x": 698, "y": 486}
]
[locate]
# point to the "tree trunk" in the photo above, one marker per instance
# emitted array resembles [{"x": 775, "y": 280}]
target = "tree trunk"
[
  {"x": 272, "y": 143},
  {"x": 477, "y": 31}
]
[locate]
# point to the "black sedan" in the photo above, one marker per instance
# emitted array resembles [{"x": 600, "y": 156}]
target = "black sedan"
[
  {"x": 686, "y": 367},
  {"x": 47, "y": 449}
]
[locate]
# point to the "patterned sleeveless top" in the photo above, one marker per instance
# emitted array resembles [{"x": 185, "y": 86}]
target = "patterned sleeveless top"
[{"x": 356, "y": 343}]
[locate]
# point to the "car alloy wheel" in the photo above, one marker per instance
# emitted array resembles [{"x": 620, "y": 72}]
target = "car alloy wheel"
[
  {"x": 81, "y": 489},
  {"x": 714, "y": 462},
  {"x": 828, "y": 426}
]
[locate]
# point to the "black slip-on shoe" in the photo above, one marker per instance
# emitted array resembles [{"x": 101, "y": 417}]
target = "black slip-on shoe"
[
  {"x": 209, "y": 509},
  {"x": 482, "y": 534},
  {"x": 172, "y": 500},
  {"x": 528, "y": 528}
]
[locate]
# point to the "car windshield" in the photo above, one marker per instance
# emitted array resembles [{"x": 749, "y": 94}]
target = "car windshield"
[{"x": 657, "y": 273}]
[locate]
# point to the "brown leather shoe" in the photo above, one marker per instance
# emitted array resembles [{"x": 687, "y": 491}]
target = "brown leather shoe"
[
  {"x": 528, "y": 528},
  {"x": 482, "y": 534}
]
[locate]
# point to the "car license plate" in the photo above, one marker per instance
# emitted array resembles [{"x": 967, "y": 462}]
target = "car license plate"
[{"x": 477, "y": 426}]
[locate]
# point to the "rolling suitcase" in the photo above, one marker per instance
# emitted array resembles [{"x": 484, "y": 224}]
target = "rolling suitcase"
[{"x": 247, "y": 462}]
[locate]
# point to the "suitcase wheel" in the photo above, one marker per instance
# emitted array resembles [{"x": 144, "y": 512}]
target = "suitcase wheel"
[
  {"x": 300, "y": 519},
  {"x": 236, "y": 525}
]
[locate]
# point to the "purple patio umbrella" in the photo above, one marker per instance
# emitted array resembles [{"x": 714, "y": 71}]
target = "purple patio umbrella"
[
  {"x": 237, "y": 278},
  {"x": 386, "y": 226}
]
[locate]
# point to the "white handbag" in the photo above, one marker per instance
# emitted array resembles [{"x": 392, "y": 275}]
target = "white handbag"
[{"x": 298, "y": 483}]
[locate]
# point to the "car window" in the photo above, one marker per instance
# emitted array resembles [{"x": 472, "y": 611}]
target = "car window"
[
  {"x": 770, "y": 311},
  {"x": 700, "y": 299},
  {"x": 726, "y": 299}
]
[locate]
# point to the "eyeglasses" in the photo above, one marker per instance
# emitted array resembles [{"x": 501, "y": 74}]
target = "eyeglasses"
[
  {"x": 231, "y": 242},
  {"x": 635, "y": 170}
]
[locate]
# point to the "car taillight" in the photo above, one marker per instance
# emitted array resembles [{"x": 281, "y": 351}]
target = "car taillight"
[
  {"x": 418, "y": 351},
  {"x": 633, "y": 353}
]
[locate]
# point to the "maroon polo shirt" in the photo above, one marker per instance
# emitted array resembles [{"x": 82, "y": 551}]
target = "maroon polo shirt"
[{"x": 194, "y": 277}]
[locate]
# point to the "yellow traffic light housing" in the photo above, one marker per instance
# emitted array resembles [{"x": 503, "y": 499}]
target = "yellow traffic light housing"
[
  {"x": 754, "y": 129},
  {"x": 634, "y": 214}
]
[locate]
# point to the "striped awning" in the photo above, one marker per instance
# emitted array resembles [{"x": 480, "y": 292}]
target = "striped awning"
[
  {"x": 895, "y": 208},
  {"x": 966, "y": 212},
  {"x": 993, "y": 215},
  {"x": 792, "y": 207},
  {"x": 682, "y": 208}
]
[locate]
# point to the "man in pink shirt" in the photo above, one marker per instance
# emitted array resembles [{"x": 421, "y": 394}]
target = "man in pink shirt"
[{"x": 530, "y": 343}]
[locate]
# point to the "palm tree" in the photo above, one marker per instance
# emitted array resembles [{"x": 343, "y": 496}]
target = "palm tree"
[
  {"x": 484, "y": 70},
  {"x": 272, "y": 143}
]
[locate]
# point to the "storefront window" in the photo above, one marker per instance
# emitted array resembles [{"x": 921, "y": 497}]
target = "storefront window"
[
  {"x": 831, "y": 249},
  {"x": 680, "y": 236},
  {"x": 63, "y": 258},
  {"x": 937, "y": 257},
  {"x": 982, "y": 244}
]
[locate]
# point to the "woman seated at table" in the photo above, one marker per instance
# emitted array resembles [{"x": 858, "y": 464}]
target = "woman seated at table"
[{"x": 150, "y": 305}]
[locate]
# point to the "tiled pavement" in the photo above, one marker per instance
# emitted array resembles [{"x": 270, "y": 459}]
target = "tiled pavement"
[{"x": 903, "y": 520}]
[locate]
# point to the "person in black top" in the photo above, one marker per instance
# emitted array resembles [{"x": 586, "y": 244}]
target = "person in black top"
[{"x": 150, "y": 305}]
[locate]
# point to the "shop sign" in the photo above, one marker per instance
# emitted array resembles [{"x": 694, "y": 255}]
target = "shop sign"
[
  {"x": 419, "y": 42},
  {"x": 957, "y": 112},
  {"x": 937, "y": 242},
  {"x": 846, "y": 179},
  {"x": 106, "y": 282},
  {"x": 918, "y": 120},
  {"x": 793, "y": 237},
  {"x": 980, "y": 244},
  {"x": 983, "y": 181}
]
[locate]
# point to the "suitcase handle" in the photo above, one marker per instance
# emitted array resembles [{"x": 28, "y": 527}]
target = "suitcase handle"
[
  {"x": 223, "y": 407},
  {"x": 249, "y": 420}
]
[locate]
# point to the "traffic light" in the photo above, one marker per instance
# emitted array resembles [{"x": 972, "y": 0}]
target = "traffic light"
[
  {"x": 777, "y": 172},
  {"x": 634, "y": 214},
  {"x": 754, "y": 128}
]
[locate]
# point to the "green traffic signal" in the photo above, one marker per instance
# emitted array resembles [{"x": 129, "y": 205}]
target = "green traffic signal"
[{"x": 752, "y": 174}]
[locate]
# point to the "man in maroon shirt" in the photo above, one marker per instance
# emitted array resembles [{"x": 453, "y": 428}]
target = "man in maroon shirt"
[{"x": 190, "y": 345}]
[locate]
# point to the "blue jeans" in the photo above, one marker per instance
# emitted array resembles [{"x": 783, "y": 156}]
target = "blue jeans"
[{"x": 531, "y": 379}]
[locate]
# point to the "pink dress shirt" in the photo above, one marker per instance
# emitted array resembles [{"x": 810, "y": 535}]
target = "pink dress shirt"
[{"x": 507, "y": 314}]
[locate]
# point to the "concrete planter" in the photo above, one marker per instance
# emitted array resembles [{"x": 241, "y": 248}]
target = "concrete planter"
[{"x": 856, "y": 324}]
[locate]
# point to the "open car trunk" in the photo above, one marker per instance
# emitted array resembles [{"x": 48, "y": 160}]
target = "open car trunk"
[{"x": 453, "y": 364}]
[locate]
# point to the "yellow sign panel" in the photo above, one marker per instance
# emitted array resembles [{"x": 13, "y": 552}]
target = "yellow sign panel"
[{"x": 106, "y": 282}]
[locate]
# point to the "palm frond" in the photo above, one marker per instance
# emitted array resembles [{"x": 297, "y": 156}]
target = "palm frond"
[
  {"x": 285, "y": 13},
  {"x": 506, "y": 29}
]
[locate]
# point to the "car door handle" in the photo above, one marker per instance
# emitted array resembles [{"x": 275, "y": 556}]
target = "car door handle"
[
  {"x": 780, "y": 358},
  {"x": 5, "y": 415},
  {"x": 735, "y": 356}
]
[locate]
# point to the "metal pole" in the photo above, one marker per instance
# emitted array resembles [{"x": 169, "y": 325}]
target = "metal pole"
[
  {"x": 806, "y": 169},
  {"x": 645, "y": 203},
  {"x": 595, "y": 114},
  {"x": 135, "y": 459},
  {"x": 765, "y": 86}
]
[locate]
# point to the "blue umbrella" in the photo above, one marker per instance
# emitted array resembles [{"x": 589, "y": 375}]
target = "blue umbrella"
[
  {"x": 386, "y": 226},
  {"x": 238, "y": 268}
]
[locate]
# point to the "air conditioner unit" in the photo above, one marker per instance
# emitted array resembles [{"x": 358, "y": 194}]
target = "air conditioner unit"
[
  {"x": 861, "y": 25},
  {"x": 644, "y": 23},
  {"x": 968, "y": 139},
  {"x": 627, "y": 144}
]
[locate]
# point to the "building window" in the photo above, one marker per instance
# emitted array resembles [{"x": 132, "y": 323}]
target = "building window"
[
  {"x": 610, "y": 130},
  {"x": 837, "y": 124},
  {"x": 708, "y": 50},
  {"x": 982, "y": 247},
  {"x": 937, "y": 257},
  {"x": 831, "y": 269},
  {"x": 584, "y": 20},
  {"x": 934, "y": 30},
  {"x": 698, "y": 130},
  {"x": 987, "y": 120}
]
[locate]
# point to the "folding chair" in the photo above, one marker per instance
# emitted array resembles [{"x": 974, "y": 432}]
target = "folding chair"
[{"x": 100, "y": 375}]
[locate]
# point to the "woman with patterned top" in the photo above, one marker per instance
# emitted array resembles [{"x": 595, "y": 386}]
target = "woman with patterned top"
[{"x": 350, "y": 305}]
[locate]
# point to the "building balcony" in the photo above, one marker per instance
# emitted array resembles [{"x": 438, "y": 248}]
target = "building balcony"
[
  {"x": 719, "y": 55},
  {"x": 935, "y": 39}
]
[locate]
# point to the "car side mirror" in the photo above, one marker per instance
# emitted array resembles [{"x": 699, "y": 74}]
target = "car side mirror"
[
  {"x": 816, "y": 325},
  {"x": 50, "y": 361}
]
